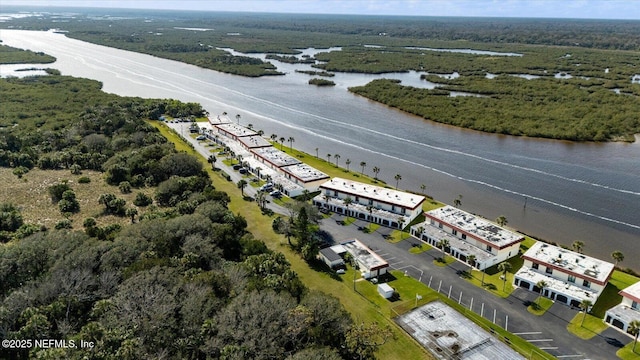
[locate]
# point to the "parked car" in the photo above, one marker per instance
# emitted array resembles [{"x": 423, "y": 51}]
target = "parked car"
[
  {"x": 201, "y": 137},
  {"x": 275, "y": 193},
  {"x": 237, "y": 167},
  {"x": 340, "y": 271},
  {"x": 266, "y": 187},
  {"x": 243, "y": 171}
]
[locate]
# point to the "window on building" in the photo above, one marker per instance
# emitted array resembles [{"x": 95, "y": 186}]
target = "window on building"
[
  {"x": 464, "y": 236},
  {"x": 585, "y": 283},
  {"x": 454, "y": 232},
  {"x": 535, "y": 266},
  {"x": 571, "y": 279},
  {"x": 635, "y": 305},
  {"x": 370, "y": 201},
  {"x": 403, "y": 210},
  {"x": 489, "y": 248},
  {"x": 357, "y": 199},
  {"x": 548, "y": 270},
  {"x": 335, "y": 193},
  {"x": 393, "y": 208},
  {"x": 440, "y": 225}
]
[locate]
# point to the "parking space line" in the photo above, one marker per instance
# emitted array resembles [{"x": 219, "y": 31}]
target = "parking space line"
[
  {"x": 536, "y": 340},
  {"x": 528, "y": 333}
]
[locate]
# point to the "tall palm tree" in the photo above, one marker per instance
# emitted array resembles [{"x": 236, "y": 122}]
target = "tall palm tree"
[
  {"x": 282, "y": 139},
  {"x": 376, "y": 170},
  {"x": 501, "y": 220},
  {"x": 212, "y": 160},
  {"x": 585, "y": 305},
  {"x": 618, "y": 256},
  {"x": 250, "y": 126},
  {"x": 401, "y": 222},
  {"x": 291, "y": 140},
  {"x": 420, "y": 231},
  {"x": 347, "y": 201},
  {"x": 422, "y": 187},
  {"x": 471, "y": 260},
  {"x": 541, "y": 285},
  {"x": 578, "y": 246},
  {"x": 348, "y": 162},
  {"x": 444, "y": 244},
  {"x": 504, "y": 267},
  {"x": 238, "y": 118},
  {"x": 363, "y": 164},
  {"x": 260, "y": 132},
  {"x": 317, "y": 153},
  {"x": 634, "y": 329},
  {"x": 398, "y": 177},
  {"x": 329, "y": 158},
  {"x": 337, "y": 157},
  {"x": 241, "y": 185},
  {"x": 258, "y": 169},
  {"x": 274, "y": 137}
]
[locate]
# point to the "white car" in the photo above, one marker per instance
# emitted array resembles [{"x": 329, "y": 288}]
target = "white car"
[{"x": 275, "y": 193}]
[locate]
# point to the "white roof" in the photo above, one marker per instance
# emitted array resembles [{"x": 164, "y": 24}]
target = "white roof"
[
  {"x": 254, "y": 141},
  {"x": 276, "y": 157},
  {"x": 385, "y": 287},
  {"x": 236, "y": 130},
  {"x": 632, "y": 292},
  {"x": 570, "y": 261},
  {"x": 219, "y": 119},
  {"x": 473, "y": 225},
  {"x": 304, "y": 172},
  {"x": 390, "y": 196},
  {"x": 364, "y": 256}
]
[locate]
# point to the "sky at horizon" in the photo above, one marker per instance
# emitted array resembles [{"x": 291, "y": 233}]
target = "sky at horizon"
[{"x": 579, "y": 9}]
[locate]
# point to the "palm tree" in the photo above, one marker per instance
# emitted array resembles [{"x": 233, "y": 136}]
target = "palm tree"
[
  {"x": 329, "y": 158},
  {"x": 422, "y": 187},
  {"x": 541, "y": 285},
  {"x": 370, "y": 210},
  {"x": 457, "y": 201},
  {"x": 258, "y": 169},
  {"x": 585, "y": 305},
  {"x": 212, "y": 160},
  {"x": 363, "y": 164},
  {"x": 401, "y": 222},
  {"x": 504, "y": 267},
  {"x": 420, "y": 231},
  {"x": 337, "y": 157},
  {"x": 238, "y": 118},
  {"x": 291, "y": 140},
  {"x": 376, "y": 170},
  {"x": 348, "y": 162},
  {"x": 250, "y": 126},
  {"x": 501, "y": 220},
  {"x": 578, "y": 246},
  {"x": 317, "y": 153},
  {"x": 634, "y": 329},
  {"x": 274, "y": 137},
  {"x": 282, "y": 139},
  {"x": 444, "y": 244},
  {"x": 618, "y": 256},
  {"x": 471, "y": 259},
  {"x": 398, "y": 177},
  {"x": 260, "y": 132},
  {"x": 241, "y": 185},
  {"x": 347, "y": 201}
]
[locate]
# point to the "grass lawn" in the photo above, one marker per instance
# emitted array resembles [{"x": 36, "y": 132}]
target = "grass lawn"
[
  {"x": 626, "y": 353},
  {"x": 610, "y": 297},
  {"x": 492, "y": 282},
  {"x": 591, "y": 327},
  {"x": 349, "y": 220},
  {"x": 448, "y": 259},
  {"x": 420, "y": 249},
  {"x": 396, "y": 236},
  {"x": 540, "y": 306},
  {"x": 401, "y": 346}
]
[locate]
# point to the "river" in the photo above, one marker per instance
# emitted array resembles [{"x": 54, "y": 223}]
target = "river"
[{"x": 572, "y": 191}]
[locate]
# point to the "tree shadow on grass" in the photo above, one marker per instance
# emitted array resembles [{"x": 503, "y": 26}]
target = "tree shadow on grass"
[{"x": 319, "y": 266}]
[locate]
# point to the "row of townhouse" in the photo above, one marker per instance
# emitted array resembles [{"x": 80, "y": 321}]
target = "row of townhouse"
[
  {"x": 567, "y": 277},
  {"x": 292, "y": 175},
  {"x": 376, "y": 204}
]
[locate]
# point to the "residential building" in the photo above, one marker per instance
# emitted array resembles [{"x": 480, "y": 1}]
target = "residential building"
[
  {"x": 331, "y": 258},
  {"x": 628, "y": 310},
  {"x": 253, "y": 142},
  {"x": 569, "y": 277},
  {"x": 372, "y": 203},
  {"x": 274, "y": 158},
  {"x": 304, "y": 175},
  {"x": 466, "y": 235},
  {"x": 234, "y": 131}
]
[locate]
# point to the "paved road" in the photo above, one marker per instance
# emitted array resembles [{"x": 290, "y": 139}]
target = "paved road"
[
  {"x": 547, "y": 332},
  {"x": 183, "y": 130}
]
